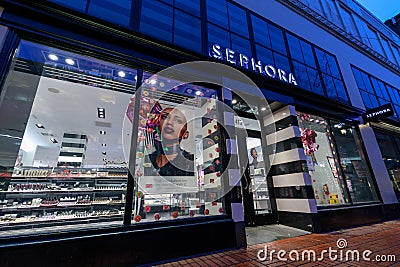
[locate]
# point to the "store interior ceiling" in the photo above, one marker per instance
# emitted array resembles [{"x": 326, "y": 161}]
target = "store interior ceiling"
[{"x": 64, "y": 107}]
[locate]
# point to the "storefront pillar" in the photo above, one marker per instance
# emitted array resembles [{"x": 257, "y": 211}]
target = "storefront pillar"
[{"x": 378, "y": 166}]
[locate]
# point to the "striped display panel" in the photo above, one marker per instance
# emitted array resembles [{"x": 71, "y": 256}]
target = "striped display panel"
[
  {"x": 72, "y": 152},
  {"x": 291, "y": 182}
]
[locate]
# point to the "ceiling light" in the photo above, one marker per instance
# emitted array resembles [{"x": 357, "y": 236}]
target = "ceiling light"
[
  {"x": 284, "y": 113},
  {"x": 234, "y": 101},
  {"x": 101, "y": 113},
  {"x": 70, "y": 61},
  {"x": 103, "y": 144},
  {"x": 104, "y": 159},
  {"x": 153, "y": 81},
  {"x": 198, "y": 93},
  {"x": 39, "y": 125},
  {"x": 53, "y": 57},
  {"x": 263, "y": 109},
  {"x": 121, "y": 74},
  {"x": 104, "y": 153},
  {"x": 53, "y": 140},
  {"x": 103, "y": 132}
]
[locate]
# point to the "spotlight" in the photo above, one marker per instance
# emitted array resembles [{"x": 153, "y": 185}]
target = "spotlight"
[
  {"x": 263, "y": 109},
  {"x": 104, "y": 153},
  {"x": 234, "y": 101},
  {"x": 53, "y": 140},
  {"x": 101, "y": 113},
  {"x": 70, "y": 61},
  {"x": 103, "y": 144},
  {"x": 198, "y": 93},
  {"x": 103, "y": 132},
  {"x": 121, "y": 74},
  {"x": 53, "y": 57}
]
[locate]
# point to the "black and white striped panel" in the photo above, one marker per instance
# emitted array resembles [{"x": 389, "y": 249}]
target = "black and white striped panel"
[
  {"x": 73, "y": 149},
  {"x": 292, "y": 184}
]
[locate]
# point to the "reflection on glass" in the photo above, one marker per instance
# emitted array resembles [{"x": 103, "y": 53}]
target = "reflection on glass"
[
  {"x": 178, "y": 164},
  {"x": 57, "y": 168},
  {"x": 353, "y": 163},
  {"x": 262, "y": 203},
  {"x": 322, "y": 162}
]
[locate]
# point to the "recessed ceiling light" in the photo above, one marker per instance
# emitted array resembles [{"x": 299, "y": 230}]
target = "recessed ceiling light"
[
  {"x": 121, "y": 74},
  {"x": 39, "y": 125},
  {"x": 53, "y": 90},
  {"x": 53, "y": 140},
  {"x": 234, "y": 101},
  {"x": 103, "y": 144},
  {"x": 102, "y": 132},
  {"x": 104, "y": 153},
  {"x": 70, "y": 61},
  {"x": 198, "y": 92},
  {"x": 153, "y": 81},
  {"x": 263, "y": 109},
  {"x": 53, "y": 57},
  {"x": 104, "y": 159},
  {"x": 101, "y": 113}
]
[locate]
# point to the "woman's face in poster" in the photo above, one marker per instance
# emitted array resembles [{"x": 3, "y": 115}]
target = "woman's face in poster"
[{"x": 173, "y": 125}]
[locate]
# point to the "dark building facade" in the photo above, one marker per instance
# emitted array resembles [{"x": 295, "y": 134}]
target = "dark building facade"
[{"x": 136, "y": 131}]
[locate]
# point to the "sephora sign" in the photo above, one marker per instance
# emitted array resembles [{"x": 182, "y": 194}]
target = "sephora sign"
[{"x": 241, "y": 60}]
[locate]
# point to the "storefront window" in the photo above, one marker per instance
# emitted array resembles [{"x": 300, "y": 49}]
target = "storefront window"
[
  {"x": 335, "y": 161},
  {"x": 62, "y": 162},
  {"x": 322, "y": 162},
  {"x": 354, "y": 165},
  {"x": 390, "y": 149},
  {"x": 178, "y": 162}
]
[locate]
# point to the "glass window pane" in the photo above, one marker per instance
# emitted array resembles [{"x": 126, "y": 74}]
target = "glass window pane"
[
  {"x": 300, "y": 72},
  {"x": 260, "y": 28},
  {"x": 330, "y": 86},
  {"x": 322, "y": 60},
  {"x": 238, "y": 20},
  {"x": 367, "y": 102},
  {"x": 322, "y": 161},
  {"x": 264, "y": 55},
  {"x": 277, "y": 41},
  {"x": 394, "y": 94},
  {"x": 190, "y": 6},
  {"x": 187, "y": 31},
  {"x": 359, "y": 79},
  {"x": 156, "y": 20},
  {"x": 66, "y": 154},
  {"x": 315, "y": 81},
  {"x": 116, "y": 11},
  {"x": 341, "y": 91},
  {"x": 308, "y": 54},
  {"x": 216, "y": 35},
  {"x": 358, "y": 178},
  {"x": 367, "y": 83},
  {"x": 294, "y": 48},
  {"x": 282, "y": 62},
  {"x": 176, "y": 178},
  {"x": 79, "y": 5},
  {"x": 333, "y": 67},
  {"x": 217, "y": 12},
  {"x": 241, "y": 45}
]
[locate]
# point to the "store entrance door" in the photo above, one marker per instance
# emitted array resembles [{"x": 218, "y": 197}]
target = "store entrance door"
[{"x": 255, "y": 190}]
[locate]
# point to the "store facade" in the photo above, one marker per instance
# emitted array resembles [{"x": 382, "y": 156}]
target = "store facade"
[{"x": 101, "y": 149}]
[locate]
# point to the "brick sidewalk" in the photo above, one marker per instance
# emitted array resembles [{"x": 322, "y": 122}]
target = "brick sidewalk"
[{"x": 382, "y": 239}]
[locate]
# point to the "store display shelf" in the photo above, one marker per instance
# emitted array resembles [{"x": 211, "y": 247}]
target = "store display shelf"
[
  {"x": 63, "y": 191},
  {"x": 9, "y": 220},
  {"x": 55, "y": 206}
]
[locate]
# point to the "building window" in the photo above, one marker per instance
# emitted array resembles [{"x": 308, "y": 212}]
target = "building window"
[
  {"x": 156, "y": 20},
  {"x": 177, "y": 173},
  {"x": 376, "y": 93},
  {"x": 390, "y": 149},
  {"x": 187, "y": 31},
  {"x": 115, "y": 11},
  {"x": 79, "y": 5},
  {"x": 335, "y": 162},
  {"x": 62, "y": 158}
]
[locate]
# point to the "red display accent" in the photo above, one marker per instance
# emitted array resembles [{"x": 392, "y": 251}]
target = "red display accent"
[
  {"x": 206, "y": 212},
  {"x": 191, "y": 213},
  {"x": 221, "y": 210},
  {"x": 147, "y": 208},
  {"x": 138, "y": 218},
  {"x": 165, "y": 207},
  {"x": 175, "y": 214},
  {"x": 157, "y": 216}
]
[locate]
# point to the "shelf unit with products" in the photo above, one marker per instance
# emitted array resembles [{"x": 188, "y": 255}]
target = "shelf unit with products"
[
  {"x": 61, "y": 196},
  {"x": 260, "y": 191}
]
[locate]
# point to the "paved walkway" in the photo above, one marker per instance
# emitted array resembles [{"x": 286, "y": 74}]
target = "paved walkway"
[{"x": 376, "y": 245}]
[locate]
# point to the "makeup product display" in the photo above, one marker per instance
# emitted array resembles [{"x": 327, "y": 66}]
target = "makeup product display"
[{"x": 61, "y": 196}]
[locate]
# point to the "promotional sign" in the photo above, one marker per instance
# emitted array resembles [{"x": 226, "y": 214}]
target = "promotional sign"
[{"x": 378, "y": 113}]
